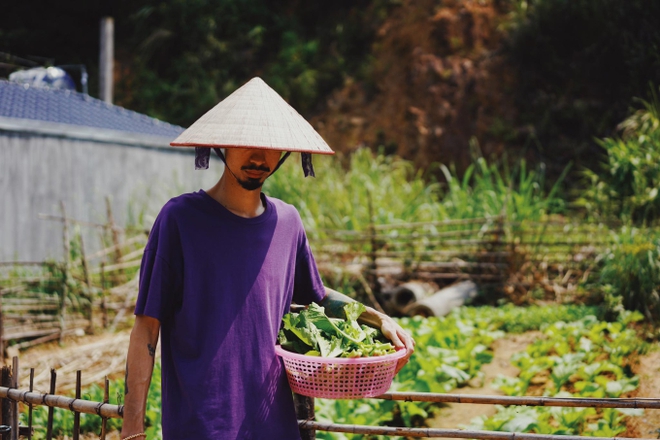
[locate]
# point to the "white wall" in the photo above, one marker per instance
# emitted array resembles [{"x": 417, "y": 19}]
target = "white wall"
[{"x": 38, "y": 171}]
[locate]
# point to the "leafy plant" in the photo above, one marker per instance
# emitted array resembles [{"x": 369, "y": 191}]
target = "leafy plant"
[
  {"x": 313, "y": 333},
  {"x": 496, "y": 188},
  {"x": 584, "y": 358},
  {"x": 630, "y": 277},
  {"x": 628, "y": 184},
  {"x": 450, "y": 352}
]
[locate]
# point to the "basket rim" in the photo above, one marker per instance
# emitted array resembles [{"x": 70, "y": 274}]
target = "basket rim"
[{"x": 401, "y": 352}]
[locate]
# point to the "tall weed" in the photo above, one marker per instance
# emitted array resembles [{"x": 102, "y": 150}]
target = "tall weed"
[
  {"x": 491, "y": 189},
  {"x": 388, "y": 190},
  {"x": 627, "y": 186}
]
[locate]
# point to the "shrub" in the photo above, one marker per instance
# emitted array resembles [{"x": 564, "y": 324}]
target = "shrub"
[
  {"x": 627, "y": 187},
  {"x": 631, "y": 272}
]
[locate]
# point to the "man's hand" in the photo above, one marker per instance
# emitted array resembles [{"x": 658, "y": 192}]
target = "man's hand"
[{"x": 334, "y": 304}]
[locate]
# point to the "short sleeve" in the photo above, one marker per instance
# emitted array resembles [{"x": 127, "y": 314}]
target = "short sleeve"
[
  {"x": 308, "y": 286},
  {"x": 161, "y": 271}
]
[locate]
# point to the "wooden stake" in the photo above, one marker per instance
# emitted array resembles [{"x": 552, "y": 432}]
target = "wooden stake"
[
  {"x": 76, "y": 414},
  {"x": 49, "y": 428},
  {"x": 305, "y": 411},
  {"x": 30, "y": 405},
  {"x": 13, "y": 435},
  {"x": 5, "y": 412},
  {"x": 2, "y": 331},
  {"x": 106, "y": 399}
]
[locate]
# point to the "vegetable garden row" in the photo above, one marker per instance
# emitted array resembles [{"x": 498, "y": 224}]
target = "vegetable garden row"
[{"x": 576, "y": 355}]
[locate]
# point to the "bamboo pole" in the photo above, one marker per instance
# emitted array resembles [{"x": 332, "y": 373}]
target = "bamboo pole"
[
  {"x": 414, "y": 235},
  {"x": 65, "y": 270},
  {"x": 465, "y": 221},
  {"x": 136, "y": 254},
  {"x": 55, "y": 401},
  {"x": 119, "y": 266},
  {"x": 88, "y": 284},
  {"x": 104, "y": 305},
  {"x": 64, "y": 219},
  {"x": 436, "y": 432},
  {"x": 113, "y": 248},
  {"x": 25, "y": 263},
  {"x": 589, "y": 402},
  {"x": 115, "y": 235},
  {"x": 13, "y": 435}
]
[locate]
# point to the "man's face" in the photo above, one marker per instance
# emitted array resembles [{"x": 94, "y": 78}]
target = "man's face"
[{"x": 251, "y": 166}]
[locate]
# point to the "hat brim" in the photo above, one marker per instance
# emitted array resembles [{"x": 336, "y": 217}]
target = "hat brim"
[
  {"x": 256, "y": 147},
  {"x": 254, "y": 116}
]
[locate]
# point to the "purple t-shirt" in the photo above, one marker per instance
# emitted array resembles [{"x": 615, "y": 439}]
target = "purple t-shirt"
[{"x": 219, "y": 284}]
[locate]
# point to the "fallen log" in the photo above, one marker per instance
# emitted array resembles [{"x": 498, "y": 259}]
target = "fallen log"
[
  {"x": 443, "y": 301},
  {"x": 408, "y": 293}
]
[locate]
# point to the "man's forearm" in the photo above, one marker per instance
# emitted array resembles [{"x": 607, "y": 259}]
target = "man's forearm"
[
  {"x": 334, "y": 303},
  {"x": 139, "y": 367}
]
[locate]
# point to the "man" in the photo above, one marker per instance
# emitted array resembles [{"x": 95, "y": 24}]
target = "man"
[{"x": 220, "y": 270}]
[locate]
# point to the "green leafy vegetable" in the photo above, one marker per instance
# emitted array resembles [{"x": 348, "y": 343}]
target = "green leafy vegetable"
[{"x": 313, "y": 333}]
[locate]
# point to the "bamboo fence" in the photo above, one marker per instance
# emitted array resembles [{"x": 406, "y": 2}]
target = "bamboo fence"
[
  {"x": 47, "y": 301},
  {"x": 507, "y": 259},
  {"x": 11, "y": 396}
]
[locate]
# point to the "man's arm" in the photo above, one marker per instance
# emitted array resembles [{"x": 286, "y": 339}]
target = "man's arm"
[
  {"x": 334, "y": 302},
  {"x": 139, "y": 366}
]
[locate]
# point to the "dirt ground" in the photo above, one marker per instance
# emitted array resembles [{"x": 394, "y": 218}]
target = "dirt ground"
[
  {"x": 648, "y": 370},
  {"x": 105, "y": 355},
  {"x": 457, "y": 415}
]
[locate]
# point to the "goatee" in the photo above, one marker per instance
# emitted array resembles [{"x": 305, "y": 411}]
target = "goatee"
[{"x": 250, "y": 184}]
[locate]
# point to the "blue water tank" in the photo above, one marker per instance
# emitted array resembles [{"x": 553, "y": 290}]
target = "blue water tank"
[{"x": 47, "y": 77}]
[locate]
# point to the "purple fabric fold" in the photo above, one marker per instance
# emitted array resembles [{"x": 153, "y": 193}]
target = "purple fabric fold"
[{"x": 202, "y": 157}]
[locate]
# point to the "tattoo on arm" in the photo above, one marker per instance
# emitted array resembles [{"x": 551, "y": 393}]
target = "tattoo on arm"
[
  {"x": 152, "y": 350},
  {"x": 334, "y": 306},
  {"x": 126, "y": 381}
]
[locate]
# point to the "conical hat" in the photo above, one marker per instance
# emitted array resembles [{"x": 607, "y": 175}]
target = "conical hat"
[{"x": 254, "y": 116}]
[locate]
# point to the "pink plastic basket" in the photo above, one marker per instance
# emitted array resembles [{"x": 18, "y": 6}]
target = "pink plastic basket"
[{"x": 339, "y": 378}]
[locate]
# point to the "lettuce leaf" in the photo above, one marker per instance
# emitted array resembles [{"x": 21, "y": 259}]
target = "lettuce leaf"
[{"x": 313, "y": 333}]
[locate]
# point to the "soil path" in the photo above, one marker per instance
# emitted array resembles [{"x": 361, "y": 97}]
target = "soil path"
[
  {"x": 457, "y": 415},
  {"x": 648, "y": 370}
]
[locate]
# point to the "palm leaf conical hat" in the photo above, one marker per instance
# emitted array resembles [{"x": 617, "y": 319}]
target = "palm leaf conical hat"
[{"x": 253, "y": 116}]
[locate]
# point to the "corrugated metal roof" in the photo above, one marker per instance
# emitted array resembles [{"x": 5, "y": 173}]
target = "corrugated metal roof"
[{"x": 73, "y": 108}]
